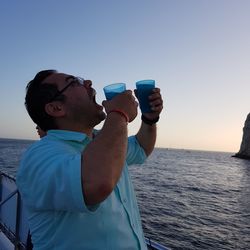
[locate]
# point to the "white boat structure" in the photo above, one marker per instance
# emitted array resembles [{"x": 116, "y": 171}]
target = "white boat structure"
[{"x": 14, "y": 228}]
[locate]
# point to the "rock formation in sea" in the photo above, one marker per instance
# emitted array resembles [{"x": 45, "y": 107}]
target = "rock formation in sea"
[{"x": 244, "y": 152}]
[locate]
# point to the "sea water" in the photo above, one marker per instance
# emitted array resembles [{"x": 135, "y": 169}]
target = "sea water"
[{"x": 188, "y": 199}]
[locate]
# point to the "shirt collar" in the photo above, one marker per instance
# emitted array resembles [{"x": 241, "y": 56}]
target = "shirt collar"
[{"x": 67, "y": 135}]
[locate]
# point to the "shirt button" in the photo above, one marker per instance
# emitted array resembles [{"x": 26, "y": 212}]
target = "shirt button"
[{"x": 124, "y": 200}]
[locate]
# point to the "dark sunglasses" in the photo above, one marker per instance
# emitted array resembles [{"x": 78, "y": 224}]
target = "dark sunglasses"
[{"x": 75, "y": 81}]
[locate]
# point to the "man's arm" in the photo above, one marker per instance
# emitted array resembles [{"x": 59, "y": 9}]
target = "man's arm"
[
  {"x": 146, "y": 135},
  {"x": 104, "y": 158}
]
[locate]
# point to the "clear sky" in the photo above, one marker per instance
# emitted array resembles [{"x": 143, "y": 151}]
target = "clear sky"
[{"x": 198, "y": 51}]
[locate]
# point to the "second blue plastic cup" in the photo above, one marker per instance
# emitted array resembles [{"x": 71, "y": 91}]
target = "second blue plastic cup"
[
  {"x": 144, "y": 90},
  {"x": 113, "y": 89}
]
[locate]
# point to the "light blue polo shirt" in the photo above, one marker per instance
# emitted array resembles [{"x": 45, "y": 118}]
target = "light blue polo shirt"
[{"x": 49, "y": 180}]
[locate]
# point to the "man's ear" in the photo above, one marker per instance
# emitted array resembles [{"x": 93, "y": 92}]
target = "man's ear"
[{"x": 55, "y": 109}]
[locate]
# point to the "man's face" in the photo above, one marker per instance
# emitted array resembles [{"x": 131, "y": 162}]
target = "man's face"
[{"x": 80, "y": 105}]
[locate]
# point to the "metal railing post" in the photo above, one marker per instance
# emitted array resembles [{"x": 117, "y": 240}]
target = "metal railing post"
[{"x": 18, "y": 207}]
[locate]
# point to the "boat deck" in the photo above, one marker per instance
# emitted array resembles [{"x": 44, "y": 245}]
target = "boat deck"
[{"x": 5, "y": 243}]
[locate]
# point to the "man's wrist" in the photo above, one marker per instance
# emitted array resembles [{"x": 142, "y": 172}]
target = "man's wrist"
[
  {"x": 149, "y": 121},
  {"x": 120, "y": 112}
]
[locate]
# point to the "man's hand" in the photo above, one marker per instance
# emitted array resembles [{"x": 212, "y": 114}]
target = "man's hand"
[
  {"x": 124, "y": 102},
  {"x": 156, "y": 104}
]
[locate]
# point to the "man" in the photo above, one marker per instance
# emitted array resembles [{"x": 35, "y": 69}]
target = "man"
[{"x": 75, "y": 182}]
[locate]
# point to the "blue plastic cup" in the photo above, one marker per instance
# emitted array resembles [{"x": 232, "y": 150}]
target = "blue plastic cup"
[
  {"x": 144, "y": 90},
  {"x": 113, "y": 89}
]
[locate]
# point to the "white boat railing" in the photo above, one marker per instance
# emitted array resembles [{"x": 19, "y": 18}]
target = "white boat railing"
[
  {"x": 13, "y": 220},
  {"x": 153, "y": 245}
]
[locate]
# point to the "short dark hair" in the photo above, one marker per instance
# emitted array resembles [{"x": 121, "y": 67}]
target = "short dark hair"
[{"x": 38, "y": 94}]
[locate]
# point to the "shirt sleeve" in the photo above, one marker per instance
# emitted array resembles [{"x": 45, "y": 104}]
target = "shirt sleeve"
[
  {"x": 49, "y": 178},
  {"x": 135, "y": 153}
]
